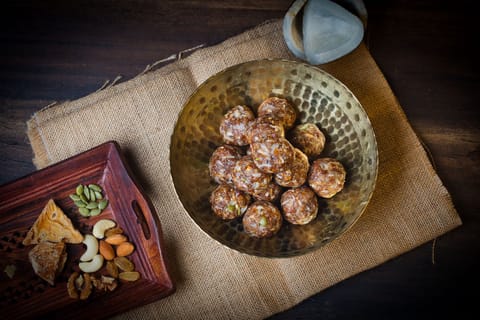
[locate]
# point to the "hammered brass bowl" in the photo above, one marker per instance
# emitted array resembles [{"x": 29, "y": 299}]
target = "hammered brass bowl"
[{"x": 319, "y": 98}]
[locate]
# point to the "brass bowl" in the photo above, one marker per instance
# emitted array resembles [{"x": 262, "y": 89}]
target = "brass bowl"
[{"x": 319, "y": 98}]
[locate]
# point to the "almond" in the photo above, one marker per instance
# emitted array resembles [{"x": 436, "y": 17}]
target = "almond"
[
  {"x": 116, "y": 239},
  {"x": 125, "y": 249},
  {"x": 106, "y": 250}
]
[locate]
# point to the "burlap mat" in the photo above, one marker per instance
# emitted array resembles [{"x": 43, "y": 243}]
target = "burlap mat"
[{"x": 409, "y": 207}]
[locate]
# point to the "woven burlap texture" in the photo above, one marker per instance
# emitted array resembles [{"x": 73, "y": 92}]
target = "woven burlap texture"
[{"x": 409, "y": 207}]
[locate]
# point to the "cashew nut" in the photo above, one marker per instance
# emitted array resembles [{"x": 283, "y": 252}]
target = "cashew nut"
[
  {"x": 92, "y": 247},
  {"x": 100, "y": 227},
  {"x": 92, "y": 266}
]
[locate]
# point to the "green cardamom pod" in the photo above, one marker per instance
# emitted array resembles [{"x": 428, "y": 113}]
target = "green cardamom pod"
[
  {"x": 92, "y": 205},
  {"x": 95, "y": 187},
  {"x": 79, "y": 190},
  {"x": 86, "y": 192},
  {"x": 103, "y": 204},
  {"x": 80, "y": 204},
  {"x": 74, "y": 197},
  {"x": 84, "y": 212},
  {"x": 95, "y": 212}
]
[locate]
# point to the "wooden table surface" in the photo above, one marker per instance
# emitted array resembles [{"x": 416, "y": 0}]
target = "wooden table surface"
[{"x": 63, "y": 50}]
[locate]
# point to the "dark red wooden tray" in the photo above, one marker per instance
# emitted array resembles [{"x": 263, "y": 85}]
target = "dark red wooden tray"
[{"x": 21, "y": 201}]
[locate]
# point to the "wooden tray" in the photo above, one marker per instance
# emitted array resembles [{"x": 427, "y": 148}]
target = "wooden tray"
[{"x": 28, "y": 296}]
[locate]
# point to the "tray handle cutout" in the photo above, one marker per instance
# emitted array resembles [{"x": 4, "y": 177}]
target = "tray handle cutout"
[{"x": 141, "y": 219}]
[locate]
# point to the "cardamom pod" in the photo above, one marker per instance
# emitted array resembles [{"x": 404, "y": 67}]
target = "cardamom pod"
[
  {"x": 95, "y": 187},
  {"x": 103, "y": 204},
  {"x": 74, "y": 197},
  {"x": 92, "y": 205},
  {"x": 80, "y": 204},
  {"x": 84, "y": 212},
  {"x": 95, "y": 212},
  {"x": 79, "y": 190},
  {"x": 92, "y": 195},
  {"x": 98, "y": 195},
  {"x": 86, "y": 192}
]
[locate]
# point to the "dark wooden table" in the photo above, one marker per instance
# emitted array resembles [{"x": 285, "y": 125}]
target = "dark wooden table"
[{"x": 59, "y": 50}]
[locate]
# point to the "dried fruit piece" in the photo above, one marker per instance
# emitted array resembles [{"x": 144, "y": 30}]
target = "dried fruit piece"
[
  {"x": 106, "y": 250},
  {"x": 112, "y": 269},
  {"x": 116, "y": 239},
  {"x": 263, "y": 221},
  {"x": 87, "y": 287},
  {"x": 105, "y": 283},
  {"x": 79, "y": 282},
  {"x": 108, "y": 280},
  {"x": 125, "y": 249},
  {"x": 129, "y": 276},
  {"x": 124, "y": 264},
  {"x": 71, "y": 288},
  {"x": 112, "y": 231}
]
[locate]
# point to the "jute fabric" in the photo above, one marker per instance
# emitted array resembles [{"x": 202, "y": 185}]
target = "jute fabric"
[{"x": 410, "y": 206}]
